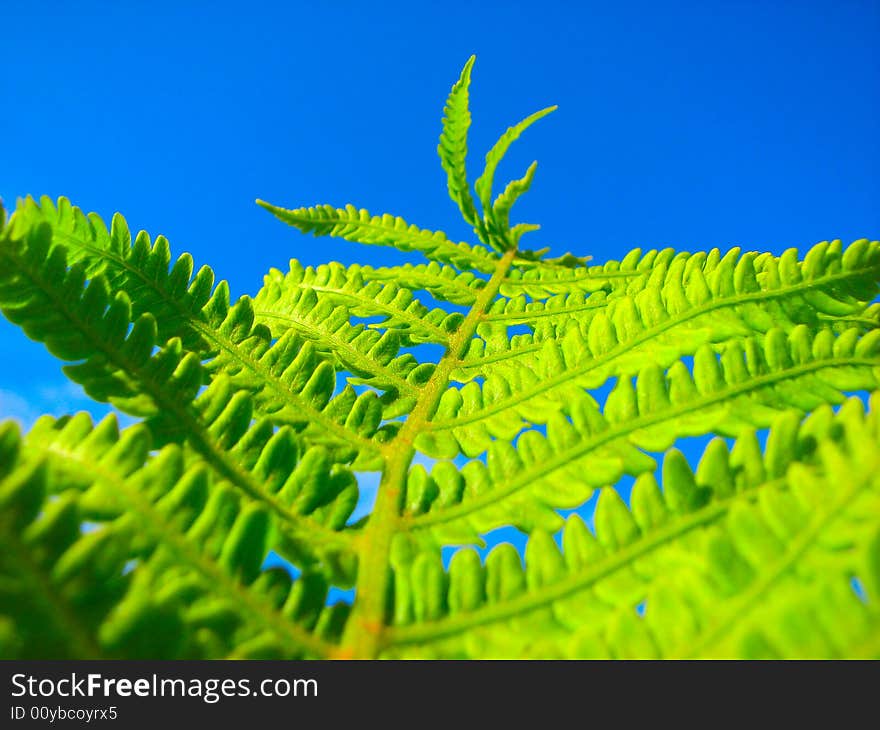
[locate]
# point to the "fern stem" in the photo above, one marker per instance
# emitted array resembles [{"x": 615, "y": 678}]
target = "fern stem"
[{"x": 366, "y": 628}]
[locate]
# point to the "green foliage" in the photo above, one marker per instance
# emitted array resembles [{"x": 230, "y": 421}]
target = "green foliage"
[{"x": 253, "y": 419}]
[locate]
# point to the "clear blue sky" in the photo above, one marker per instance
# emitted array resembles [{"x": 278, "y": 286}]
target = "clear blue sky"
[{"x": 691, "y": 124}]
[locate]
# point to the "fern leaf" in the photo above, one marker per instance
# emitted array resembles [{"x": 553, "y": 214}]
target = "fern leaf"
[
  {"x": 32, "y": 538},
  {"x": 359, "y": 226},
  {"x": 677, "y": 307},
  {"x": 483, "y": 185},
  {"x": 78, "y": 322},
  {"x": 372, "y": 356},
  {"x": 365, "y": 297},
  {"x": 443, "y": 282},
  {"x": 224, "y": 337},
  {"x": 539, "y": 279},
  {"x": 585, "y": 449},
  {"x": 181, "y": 304},
  {"x": 694, "y": 556},
  {"x": 453, "y": 147},
  {"x": 500, "y": 216},
  {"x": 197, "y": 549}
]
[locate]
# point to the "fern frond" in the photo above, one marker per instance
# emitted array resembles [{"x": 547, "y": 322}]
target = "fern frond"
[
  {"x": 33, "y": 536},
  {"x": 359, "y": 226},
  {"x": 226, "y": 338},
  {"x": 367, "y": 297},
  {"x": 81, "y": 320},
  {"x": 542, "y": 278},
  {"x": 586, "y": 449},
  {"x": 443, "y": 282},
  {"x": 453, "y": 148},
  {"x": 694, "y": 557},
  {"x": 483, "y": 185},
  {"x": 536, "y": 381},
  {"x": 197, "y": 549},
  {"x": 83, "y": 323},
  {"x": 372, "y": 356},
  {"x": 500, "y": 215},
  {"x": 675, "y": 308},
  {"x": 185, "y": 306}
]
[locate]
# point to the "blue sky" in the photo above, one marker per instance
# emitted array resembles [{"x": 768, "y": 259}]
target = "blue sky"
[{"x": 691, "y": 124}]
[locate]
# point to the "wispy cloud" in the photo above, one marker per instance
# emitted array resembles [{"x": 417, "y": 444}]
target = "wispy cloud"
[
  {"x": 55, "y": 398},
  {"x": 13, "y": 406}
]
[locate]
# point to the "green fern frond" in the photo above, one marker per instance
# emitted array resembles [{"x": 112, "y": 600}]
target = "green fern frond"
[
  {"x": 443, "y": 282},
  {"x": 541, "y": 278},
  {"x": 557, "y": 378},
  {"x": 678, "y": 307},
  {"x": 831, "y": 365},
  {"x": 504, "y": 202},
  {"x": 81, "y": 322},
  {"x": 695, "y": 557},
  {"x": 453, "y": 148},
  {"x": 365, "y": 297},
  {"x": 359, "y": 226},
  {"x": 586, "y": 449},
  {"x": 483, "y": 185},
  {"x": 196, "y": 545},
  {"x": 289, "y": 385},
  {"x": 185, "y": 306},
  {"x": 372, "y": 356}
]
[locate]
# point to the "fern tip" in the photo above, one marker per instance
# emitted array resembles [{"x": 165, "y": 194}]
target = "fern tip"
[
  {"x": 465, "y": 76},
  {"x": 267, "y": 206}
]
